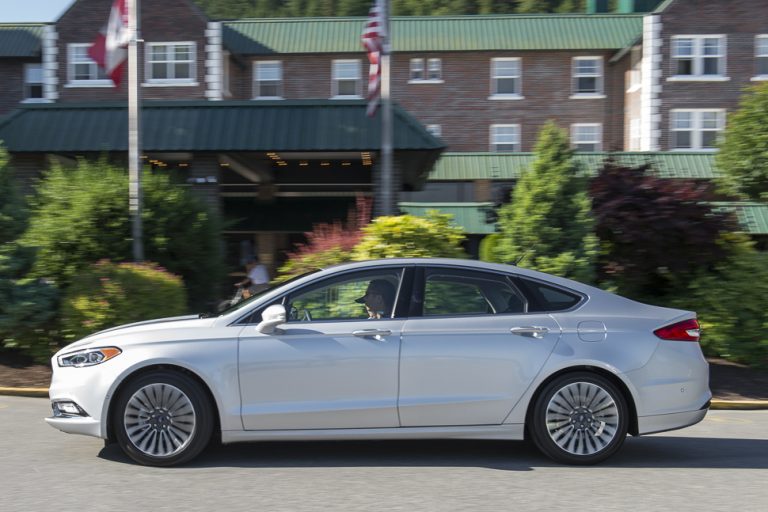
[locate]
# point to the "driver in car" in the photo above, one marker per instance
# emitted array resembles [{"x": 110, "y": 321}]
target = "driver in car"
[{"x": 378, "y": 299}]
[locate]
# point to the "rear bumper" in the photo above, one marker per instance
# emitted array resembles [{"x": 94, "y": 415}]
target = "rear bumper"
[{"x": 674, "y": 421}]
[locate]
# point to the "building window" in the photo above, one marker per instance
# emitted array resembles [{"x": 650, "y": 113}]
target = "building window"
[
  {"x": 82, "y": 70},
  {"x": 696, "y": 129},
  {"x": 345, "y": 79},
  {"x": 587, "y": 137},
  {"x": 761, "y": 56},
  {"x": 587, "y": 76},
  {"x": 698, "y": 56},
  {"x": 433, "y": 72},
  {"x": 506, "y": 77},
  {"x": 171, "y": 63},
  {"x": 505, "y": 137},
  {"x": 268, "y": 79},
  {"x": 33, "y": 82},
  {"x": 225, "y": 70},
  {"x": 435, "y": 129}
]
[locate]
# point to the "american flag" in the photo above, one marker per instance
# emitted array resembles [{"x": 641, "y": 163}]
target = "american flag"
[{"x": 373, "y": 35}]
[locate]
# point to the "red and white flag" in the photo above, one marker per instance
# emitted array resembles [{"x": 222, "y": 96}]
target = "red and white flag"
[
  {"x": 109, "y": 48},
  {"x": 373, "y": 36}
]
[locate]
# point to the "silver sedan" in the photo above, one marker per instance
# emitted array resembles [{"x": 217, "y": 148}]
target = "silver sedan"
[{"x": 396, "y": 348}]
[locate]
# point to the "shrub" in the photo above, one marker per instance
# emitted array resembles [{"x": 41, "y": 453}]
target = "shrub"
[
  {"x": 81, "y": 216},
  {"x": 732, "y": 305},
  {"x": 548, "y": 226},
  {"x": 488, "y": 247},
  {"x": 408, "y": 236},
  {"x": 108, "y": 294}
]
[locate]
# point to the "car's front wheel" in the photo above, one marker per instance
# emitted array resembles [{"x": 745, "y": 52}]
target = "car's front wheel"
[
  {"x": 579, "y": 418},
  {"x": 163, "y": 418}
]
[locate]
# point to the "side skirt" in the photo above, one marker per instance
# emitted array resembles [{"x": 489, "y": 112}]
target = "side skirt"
[{"x": 512, "y": 432}]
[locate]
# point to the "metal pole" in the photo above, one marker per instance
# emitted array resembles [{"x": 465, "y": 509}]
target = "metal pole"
[
  {"x": 387, "y": 202},
  {"x": 134, "y": 126}
]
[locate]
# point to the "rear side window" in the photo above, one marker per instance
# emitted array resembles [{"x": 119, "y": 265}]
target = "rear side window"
[
  {"x": 543, "y": 297},
  {"x": 468, "y": 292}
]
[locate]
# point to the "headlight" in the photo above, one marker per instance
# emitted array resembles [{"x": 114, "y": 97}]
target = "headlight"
[{"x": 89, "y": 357}]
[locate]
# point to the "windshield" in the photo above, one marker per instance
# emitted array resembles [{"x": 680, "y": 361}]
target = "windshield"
[{"x": 253, "y": 298}]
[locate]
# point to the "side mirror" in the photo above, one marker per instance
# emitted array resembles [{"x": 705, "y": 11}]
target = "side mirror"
[{"x": 273, "y": 316}]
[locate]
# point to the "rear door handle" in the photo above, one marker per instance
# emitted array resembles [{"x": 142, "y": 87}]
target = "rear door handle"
[
  {"x": 530, "y": 331},
  {"x": 377, "y": 334}
]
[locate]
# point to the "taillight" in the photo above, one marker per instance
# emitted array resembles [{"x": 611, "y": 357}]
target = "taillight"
[{"x": 687, "y": 330}]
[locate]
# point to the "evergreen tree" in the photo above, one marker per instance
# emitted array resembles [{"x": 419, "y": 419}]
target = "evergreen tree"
[{"x": 548, "y": 225}]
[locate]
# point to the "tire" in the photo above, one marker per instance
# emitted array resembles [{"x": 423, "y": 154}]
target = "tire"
[
  {"x": 163, "y": 418},
  {"x": 579, "y": 418}
]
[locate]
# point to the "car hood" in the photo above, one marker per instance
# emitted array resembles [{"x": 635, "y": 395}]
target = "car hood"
[{"x": 174, "y": 322}]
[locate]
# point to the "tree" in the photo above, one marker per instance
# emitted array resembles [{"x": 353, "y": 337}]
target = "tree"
[
  {"x": 655, "y": 233},
  {"x": 80, "y": 216},
  {"x": 743, "y": 156},
  {"x": 548, "y": 225},
  {"x": 408, "y": 236},
  {"x": 27, "y": 306}
]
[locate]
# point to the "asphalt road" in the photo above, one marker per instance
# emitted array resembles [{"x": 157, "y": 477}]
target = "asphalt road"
[{"x": 719, "y": 464}]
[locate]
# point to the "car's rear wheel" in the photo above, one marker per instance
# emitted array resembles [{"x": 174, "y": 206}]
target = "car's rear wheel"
[
  {"x": 579, "y": 418},
  {"x": 163, "y": 418}
]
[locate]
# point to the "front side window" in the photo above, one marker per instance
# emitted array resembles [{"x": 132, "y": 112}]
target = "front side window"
[
  {"x": 33, "y": 82},
  {"x": 345, "y": 79},
  {"x": 761, "y": 56},
  {"x": 170, "y": 62},
  {"x": 698, "y": 56},
  {"x": 465, "y": 292},
  {"x": 506, "y": 77},
  {"x": 505, "y": 137},
  {"x": 82, "y": 70},
  {"x": 587, "y": 137},
  {"x": 587, "y": 75},
  {"x": 268, "y": 79},
  {"x": 354, "y": 296},
  {"x": 696, "y": 129}
]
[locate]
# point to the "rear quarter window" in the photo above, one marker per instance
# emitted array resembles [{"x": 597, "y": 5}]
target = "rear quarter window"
[{"x": 547, "y": 298}]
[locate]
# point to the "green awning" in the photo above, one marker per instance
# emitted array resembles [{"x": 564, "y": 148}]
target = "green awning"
[
  {"x": 20, "y": 40},
  {"x": 470, "y": 216},
  {"x": 753, "y": 217},
  {"x": 510, "y": 166},
  {"x": 436, "y": 33},
  {"x": 294, "y": 125}
]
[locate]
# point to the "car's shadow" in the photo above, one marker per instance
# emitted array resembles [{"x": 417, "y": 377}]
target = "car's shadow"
[{"x": 643, "y": 452}]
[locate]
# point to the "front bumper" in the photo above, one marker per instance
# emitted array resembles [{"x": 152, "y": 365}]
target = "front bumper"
[{"x": 76, "y": 425}]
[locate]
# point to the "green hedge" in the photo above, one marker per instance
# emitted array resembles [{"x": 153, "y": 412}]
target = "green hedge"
[{"x": 108, "y": 294}]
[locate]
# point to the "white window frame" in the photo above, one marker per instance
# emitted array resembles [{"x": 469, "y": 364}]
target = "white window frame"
[
  {"x": 435, "y": 129},
  {"x": 27, "y": 83},
  {"x": 599, "y": 76},
  {"x": 434, "y": 64},
  {"x": 104, "y": 81},
  {"x": 696, "y": 128},
  {"x": 761, "y": 55},
  {"x": 635, "y": 134},
  {"x": 518, "y": 94},
  {"x": 256, "y": 94},
  {"x": 417, "y": 72},
  {"x": 358, "y": 80},
  {"x": 494, "y": 142},
  {"x": 420, "y": 70},
  {"x": 192, "y": 80},
  {"x": 598, "y": 142},
  {"x": 697, "y": 59}
]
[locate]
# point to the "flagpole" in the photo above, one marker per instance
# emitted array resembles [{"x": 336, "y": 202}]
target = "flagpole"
[
  {"x": 387, "y": 202},
  {"x": 134, "y": 126}
]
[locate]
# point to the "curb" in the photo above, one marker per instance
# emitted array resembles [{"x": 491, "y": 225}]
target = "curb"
[{"x": 716, "y": 405}]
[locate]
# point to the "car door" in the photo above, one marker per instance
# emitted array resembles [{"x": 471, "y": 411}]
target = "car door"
[
  {"x": 472, "y": 352},
  {"x": 329, "y": 365}
]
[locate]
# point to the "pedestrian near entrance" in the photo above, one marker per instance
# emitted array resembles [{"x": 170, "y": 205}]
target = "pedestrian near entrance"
[{"x": 256, "y": 279}]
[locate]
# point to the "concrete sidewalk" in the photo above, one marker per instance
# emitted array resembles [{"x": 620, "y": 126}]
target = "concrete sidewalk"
[{"x": 744, "y": 405}]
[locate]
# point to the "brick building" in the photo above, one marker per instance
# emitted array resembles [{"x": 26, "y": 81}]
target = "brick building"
[{"x": 265, "y": 117}]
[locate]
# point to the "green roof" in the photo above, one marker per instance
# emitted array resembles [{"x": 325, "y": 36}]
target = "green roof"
[
  {"x": 296, "y": 125},
  {"x": 437, "y": 33},
  {"x": 509, "y": 166},
  {"x": 20, "y": 40},
  {"x": 753, "y": 217},
  {"x": 470, "y": 216}
]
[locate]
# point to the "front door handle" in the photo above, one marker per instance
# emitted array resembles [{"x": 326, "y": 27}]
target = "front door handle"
[
  {"x": 530, "y": 331},
  {"x": 377, "y": 334}
]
